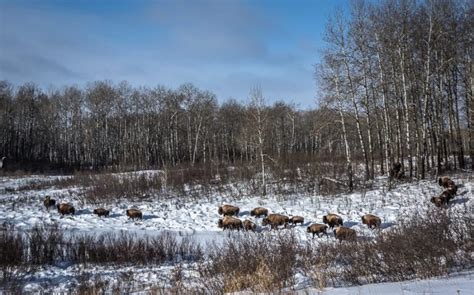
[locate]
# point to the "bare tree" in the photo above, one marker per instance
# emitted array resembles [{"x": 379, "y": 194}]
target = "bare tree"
[{"x": 258, "y": 119}]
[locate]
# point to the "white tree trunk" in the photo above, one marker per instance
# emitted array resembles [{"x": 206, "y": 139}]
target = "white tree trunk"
[
  {"x": 344, "y": 135},
  {"x": 406, "y": 110}
]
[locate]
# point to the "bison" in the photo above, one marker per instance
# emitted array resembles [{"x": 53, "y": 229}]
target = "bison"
[
  {"x": 259, "y": 211},
  {"x": 449, "y": 194},
  {"x": 276, "y": 220},
  {"x": 134, "y": 214},
  {"x": 249, "y": 225},
  {"x": 228, "y": 210},
  {"x": 229, "y": 222},
  {"x": 64, "y": 209},
  {"x": 371, "y": 221},
  {"x": 438, "y": 201},
  {"x": 332, "y": 220},
  {"x": 101, "y": 212},
  {"x": 453, "y": 189},
  {"x": 317, "y": 229},
  {"x": 396, "y": 172},
  {"x": 443, "y": 198},
  {"x": 445, "y": 182},
  {"x": 345, "y": 233},
  {"x": 297, "y": 219},
  {"x": 48, "y": 202}
]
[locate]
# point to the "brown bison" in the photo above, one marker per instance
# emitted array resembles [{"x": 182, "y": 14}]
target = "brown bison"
[
  {"x": 229, "y": 222},
  {"x": 48, "y": 202},
  {"x": 249, "y": 225},
  {"x": 371, "y": 221},
  {"x": 317, "y": 229},
  {"x": 438, "y": 201},
  {"x": 101, "y": 212},
  {"x": 134, "y": 214},
  {"x": 297, "y": 219},
  {"x": 276, "y": 220},
  {"x": 449, "y": 194},
  {"x": 345, "y": 233},
  {"x": 445, "y": 182},
  {"x": 332, "y": 220},
  {"x": 443, "y": 198},
  {"x": 453, "y": 189},
  {"x": 259, "y": 211},
  {"x": 396, "y": 172},
  {"x": 228, "y": 210},
  {"x": 64, "y": 209}
]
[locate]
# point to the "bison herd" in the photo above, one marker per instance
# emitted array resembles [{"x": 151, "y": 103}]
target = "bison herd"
[
  {"x": 65, "y": 209},
  {"x": 333, "y": 221},
  {"x": 275, "y": 220}
]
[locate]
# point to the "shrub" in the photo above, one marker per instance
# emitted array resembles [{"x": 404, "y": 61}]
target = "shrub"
[
  {"x": 127, "y": 248},
  {"x": 44, "y": 245},
  {"x": 48, "y": 245},
  {"x": 110, "y": 187},
  {"x": 257, "y": 263},
  {"x": 433, "y": 245},
  {"x": 12, "y": 252},
  {"x": 438, "y": 242}
]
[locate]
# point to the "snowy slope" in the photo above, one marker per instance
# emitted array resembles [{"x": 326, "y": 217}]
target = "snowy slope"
[
  {"x": 198, "y": 220},
  {"x": 200, "y": 217},
  {"x": 457, "y": 284}
]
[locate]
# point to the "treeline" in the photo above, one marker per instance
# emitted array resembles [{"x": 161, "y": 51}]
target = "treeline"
[
  {"x": 396, "y": 85},
  {"x": 403, "y": 70},
  {"x": 104, "y": 125}
]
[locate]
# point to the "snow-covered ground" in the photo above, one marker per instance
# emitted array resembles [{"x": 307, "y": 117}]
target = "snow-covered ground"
[
  {"x": 462, "y": 284},
  {"x": 197, "y": 219}
]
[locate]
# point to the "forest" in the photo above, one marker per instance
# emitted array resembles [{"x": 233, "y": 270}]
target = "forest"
[{"x": 394, "y": 85}]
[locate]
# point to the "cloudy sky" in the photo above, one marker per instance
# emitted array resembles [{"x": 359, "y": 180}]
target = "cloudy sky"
[{"x": 226, "y": 47}]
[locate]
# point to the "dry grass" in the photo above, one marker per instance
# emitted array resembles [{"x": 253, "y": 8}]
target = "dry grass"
[
  {"x": 201, "y": 181},
  {"x": 434, "y": 245},
  {"x": 426, "y": 247},
  {"x": 25, "y": 252},
  {"x": 251, "y": 262}
]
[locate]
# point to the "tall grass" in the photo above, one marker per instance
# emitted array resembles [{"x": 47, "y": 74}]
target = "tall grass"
[
  {"x": 201, "y": 181},
  {"x": 436, "y": 244},
  {"x": 251, "y": 262},
  {"x": 25, "y": 252}
]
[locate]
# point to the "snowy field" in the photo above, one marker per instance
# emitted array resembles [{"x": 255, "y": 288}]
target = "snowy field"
[
  {"x": 462, "y": 283},
  {"x": 197, "y": 219}
]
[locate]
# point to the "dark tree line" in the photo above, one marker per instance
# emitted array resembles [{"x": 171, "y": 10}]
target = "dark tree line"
[
  {"x": 108, "y": 125},
  {"x": 396, "y": 85}
]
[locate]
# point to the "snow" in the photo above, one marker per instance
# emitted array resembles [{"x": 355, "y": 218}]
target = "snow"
[
  {"x": 462, "y": 283},
  {"x": 197, "y": 219}
]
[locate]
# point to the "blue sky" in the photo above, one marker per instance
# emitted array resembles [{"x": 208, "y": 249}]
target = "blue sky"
[{"x": 226, "y": 47}]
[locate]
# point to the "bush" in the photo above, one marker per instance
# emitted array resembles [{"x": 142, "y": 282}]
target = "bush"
[
  {"x": 48, "y": 245},
  {"x": 12, "y": 252},
  {"x": 112, "y": 187},
  {"x": 433, "y": 245},
  {"x": 428, "y": 246},
  {"x": 200, "y": 181},
  {"x": 44, "y": 245},
  {"x": 254, "y": 262},
  {"x": 127, "y": 248}
]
